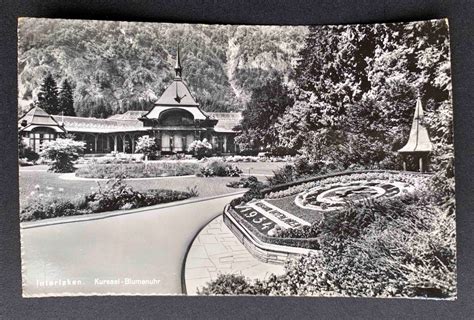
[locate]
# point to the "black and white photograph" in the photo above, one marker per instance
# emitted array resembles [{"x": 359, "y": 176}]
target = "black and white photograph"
[{"x": 261, "y": 160}]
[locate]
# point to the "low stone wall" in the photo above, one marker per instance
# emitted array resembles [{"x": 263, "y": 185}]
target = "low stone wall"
[{"x": 265, "y": 252}]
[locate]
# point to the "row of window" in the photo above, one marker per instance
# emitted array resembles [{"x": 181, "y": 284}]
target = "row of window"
[
  {"x": 37, "y": 139},
  {"x": 175, "y": 143}
]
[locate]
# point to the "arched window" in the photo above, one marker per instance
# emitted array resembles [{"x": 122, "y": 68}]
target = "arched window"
[{"x": 176, "y": 117}]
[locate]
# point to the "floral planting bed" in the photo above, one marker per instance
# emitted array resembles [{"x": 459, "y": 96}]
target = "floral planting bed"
[
  {"x": 138, "y": 170},
  {"x": 288, "y": 204},
  {"x": 109, "y": 196},
  {"x": 287, "y": 215}
]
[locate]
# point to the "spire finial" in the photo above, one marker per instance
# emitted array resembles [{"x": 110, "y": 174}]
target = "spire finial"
[{"x": 177, "y": 67}]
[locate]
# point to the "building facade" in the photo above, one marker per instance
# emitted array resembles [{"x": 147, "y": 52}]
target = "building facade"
[{"x": 175, "y": 121}]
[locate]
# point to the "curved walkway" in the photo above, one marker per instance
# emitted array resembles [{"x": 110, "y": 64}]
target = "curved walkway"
[
  {"x": 217, "y": 251},
  {"x": 128, "y": 254}
]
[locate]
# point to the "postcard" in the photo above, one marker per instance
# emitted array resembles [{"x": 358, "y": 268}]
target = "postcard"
[{"x": 191, "y": 159}]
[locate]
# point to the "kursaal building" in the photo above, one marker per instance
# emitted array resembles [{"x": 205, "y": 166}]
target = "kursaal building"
[{"x": 175, "y": 120}]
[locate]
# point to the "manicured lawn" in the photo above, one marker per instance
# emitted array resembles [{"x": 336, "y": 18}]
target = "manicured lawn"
[
  {"x": 50, "y": 182},
  {"x": 259, "y": 168},
  {"x": 138, "y": 170}
]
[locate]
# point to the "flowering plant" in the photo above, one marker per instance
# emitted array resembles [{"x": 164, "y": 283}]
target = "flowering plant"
[
  {"x": 200, "y": 148},
  {"x": 62, "y": 153}
]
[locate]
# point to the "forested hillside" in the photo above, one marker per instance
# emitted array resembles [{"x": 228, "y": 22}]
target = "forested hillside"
[{"x": 118, "y": 66}]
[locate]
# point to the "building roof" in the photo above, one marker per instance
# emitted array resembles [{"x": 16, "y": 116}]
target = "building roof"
[
  {"x": 177, "y": 67},
  {"x": 177, "y": 94},
  {"x": 227, "y": 121},
  {"x": 125, "y": 122},
  {"x": 37, "y": 117},
  {"x": 419, "y": 140},
  {"x": 97, "y": 125},
  {"x": 157, "y": 110},
  {"x": 129, "y": 115}
]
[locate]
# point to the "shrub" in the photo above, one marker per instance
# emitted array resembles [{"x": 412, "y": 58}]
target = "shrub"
[
  {"x": 248, "y": 152},
  {"x": 220, "y": 169},
  {"x": 246, "y": 182},
  {"x": 29, "y": 154},
  {"x": 303, "y": 166},
  {"x": 147, "y": 146},
  {"x": 403, "y": 247},
  {"x": 45, "y": 207},
  {"x": 282, "y": 152},
  {"x": 25, "y": 152},
  {"x": 62, "y": 153},
  {"x": 400, "y": 257},
  {"x": 283, "y": 175},
  {"x": 200, "y": 148},
  {"x": 305, "y": 232},
  {"x": 158, "y": 196},
  {"x": 228, "y": 284},
  {"x": 192, "y": 191},
  {"x": 113, "y": 195},
  {"x": 255, "y": 192},
  {"x": 396, "y": 247}
]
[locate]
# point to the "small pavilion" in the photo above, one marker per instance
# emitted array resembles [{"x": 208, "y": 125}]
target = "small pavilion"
[
  {"x": 176, "y": 119},
  {"x": 419, "y": 145}
]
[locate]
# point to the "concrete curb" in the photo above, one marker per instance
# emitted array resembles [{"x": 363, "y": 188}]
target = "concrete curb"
[
  {"x": 263, "y": 251},
  {"x": 110, "y": 214}
]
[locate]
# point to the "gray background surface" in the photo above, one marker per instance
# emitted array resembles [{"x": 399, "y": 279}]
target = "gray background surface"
[{"x": 460, "y": 14}]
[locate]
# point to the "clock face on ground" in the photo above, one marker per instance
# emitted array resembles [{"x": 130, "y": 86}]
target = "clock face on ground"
[{"x": 335, "y": 196}]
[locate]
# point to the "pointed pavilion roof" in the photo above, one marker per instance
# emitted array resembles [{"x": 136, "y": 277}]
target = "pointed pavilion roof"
[
  {"x": 177, "y": 95},
  {"x": 177, "y": 67},
  {"x": 419, "y": 140},
  {"x": 37, "y": 117}
]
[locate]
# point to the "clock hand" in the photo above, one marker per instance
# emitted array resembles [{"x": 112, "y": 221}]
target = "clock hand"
[{"x": 178, "y": 98}]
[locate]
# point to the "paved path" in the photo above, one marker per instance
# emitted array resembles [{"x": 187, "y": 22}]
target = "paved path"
[
  {"x": 139, "y": 253},
  {"x": 216, "y": 250}
]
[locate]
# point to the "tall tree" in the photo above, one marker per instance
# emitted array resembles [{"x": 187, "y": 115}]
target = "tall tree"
[
  {"x": 66, "y": 99},
  {"x": 356, "y": 88},
  {"x": 266, "y": 105},
  {"x": 101, "y": 110},
  {"x": 48, "y": 96}
]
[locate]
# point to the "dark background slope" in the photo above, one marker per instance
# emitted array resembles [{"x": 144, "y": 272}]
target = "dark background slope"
[
  {"x": 124, "y": 66},
  {"x": 461, "y": 18}
]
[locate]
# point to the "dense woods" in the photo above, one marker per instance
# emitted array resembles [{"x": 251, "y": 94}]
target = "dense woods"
[
  {"x": 118, "y": 66},
  {"x": 352, "y": 94}
]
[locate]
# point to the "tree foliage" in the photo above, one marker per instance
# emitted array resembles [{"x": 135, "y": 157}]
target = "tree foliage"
[
  {"x": 356, "y": 88},
  {"x": 62, "y": 152},
  {"x": 266, "y": 105},
  {"x": 48, "y": 95},
  {"x": 147, "y": 145},
  {"x": 66, "y": 99},
  {"x": 122, "y": 66},
  {"x": 200, "y": 148}
]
